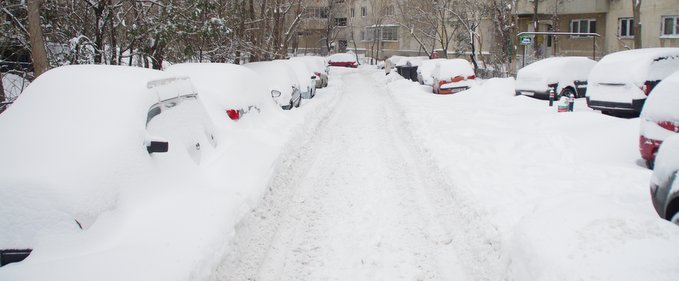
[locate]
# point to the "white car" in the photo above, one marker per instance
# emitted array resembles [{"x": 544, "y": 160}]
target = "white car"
[
  {"x": 620, "y": 82},
  {"x": 319, "y": 66},
  {"x": 453, "y": 76},
  {"x": 229, "y": 90},
  {"x": 565, "y": 75},
  {"x": 78, "y": 135},
  {"x": 306, "y": 77},
  {"x": 659, "y": 117},
  {"x": 281, "y": 82}
]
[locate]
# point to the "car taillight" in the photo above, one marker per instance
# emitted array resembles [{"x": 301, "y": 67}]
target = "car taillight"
[
  {"x": 318, "y": 74},
  {"x": 233, "y": 114},
  {"x": 670, "y": 126},
  {"x": 472, "y": 77},
  {"x": 646, "y": 88},
  {"x": 457, "y": 78}
]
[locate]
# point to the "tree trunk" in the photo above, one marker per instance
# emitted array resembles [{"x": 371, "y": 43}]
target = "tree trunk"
[
  {"x": 2, "y": 91},
  {"x": 636, "y": 7},
  {"x": 38, "y": 52}
]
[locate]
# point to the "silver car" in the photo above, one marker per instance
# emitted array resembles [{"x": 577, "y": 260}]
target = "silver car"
[{"x": 665, "y": 180}]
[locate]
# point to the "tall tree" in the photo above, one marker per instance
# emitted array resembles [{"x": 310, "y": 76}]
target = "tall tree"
[
  {"x": 38, "y": 52},
  {"x": 636, "y": 11}
]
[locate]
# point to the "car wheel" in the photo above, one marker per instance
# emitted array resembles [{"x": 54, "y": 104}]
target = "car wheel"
[
  {"x": 566, "y": 92},
  {"x": 675, "y": 218}
]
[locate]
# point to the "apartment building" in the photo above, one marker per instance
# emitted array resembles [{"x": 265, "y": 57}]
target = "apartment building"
[
  {"x": 611, "y": 19},
  {"x": 371, "y": 27}
]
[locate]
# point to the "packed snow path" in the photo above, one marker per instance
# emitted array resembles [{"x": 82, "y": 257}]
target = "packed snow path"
[{"x": 357, "y": 201}]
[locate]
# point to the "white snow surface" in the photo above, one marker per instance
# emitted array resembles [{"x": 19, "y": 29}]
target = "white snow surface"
[
  {"x": 634, "y": 66},
  {"x": 378, "y": 179},
  {"x": 276, "y": 75},
  {"x": 565, "y": 192},
  {"x": 449, "y": 68},
  {"x": 562, "y": 70},
  {"x": 667, "y": 162},
  {"x": 342, "y": 57},
  {"x": 663, "y": 102}
]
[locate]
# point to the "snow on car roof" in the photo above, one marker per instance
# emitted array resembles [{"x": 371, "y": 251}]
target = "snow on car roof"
[
  {"x": 414, "y": 61},
  {"x": 227, "y": 85},
  {"x": 278, "y": 75},
  {"x": 342, "y": 57},
  {"x": 635, "y": 65},
  {"x": 317, "y": 64},
  {"x": 450, "y": 68},
  {"x": 301, "y": 71},
  {"x": 556, "y": 69},
  {"x": 667, "y": 162},
  {"x": 663, "y": 102}
]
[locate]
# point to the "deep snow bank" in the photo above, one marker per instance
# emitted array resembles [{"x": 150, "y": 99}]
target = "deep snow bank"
[{"x": 565, "y": 190}]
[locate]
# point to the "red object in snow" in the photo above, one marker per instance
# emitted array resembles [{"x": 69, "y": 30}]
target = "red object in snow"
[{"x": 233, "y": 114}]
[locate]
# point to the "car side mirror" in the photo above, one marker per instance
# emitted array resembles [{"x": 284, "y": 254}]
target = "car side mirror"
[
  {"x": 275, "y": 93},
  {"x": 157, "y": 146}
]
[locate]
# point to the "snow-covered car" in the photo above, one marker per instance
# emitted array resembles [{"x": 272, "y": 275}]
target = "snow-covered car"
[
  {"x": 620, "y": 82},
  {"x": 280, "y": 80},
  {"x": 307, "y": 78},
  {"x": 453, "y": 76},
  {"x": 343, "y": 60},
  {"x": 659, "y": 117},
  {"x": 228, "y": 89},
  {"x": 319, "y": 66},
  {"x": 425, "y": 72},
  {"x": 565, "y": 75},
  {"x": 665, "y": 180},
  {"x": 78, "y": 135}
]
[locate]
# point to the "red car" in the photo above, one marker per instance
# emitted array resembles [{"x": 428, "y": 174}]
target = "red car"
[
  {"x": 343, "y": 60},
  {"x": 453, "y": 76},
  {"x": 659, "y": 117}
]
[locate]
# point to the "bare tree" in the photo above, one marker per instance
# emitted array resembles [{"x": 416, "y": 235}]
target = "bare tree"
[
  {"x": 416, "y": 17},
  {"x": 636, "y": 11},
  {"x": 38, "y": 53},
  {"x": 469, "y": 14}
]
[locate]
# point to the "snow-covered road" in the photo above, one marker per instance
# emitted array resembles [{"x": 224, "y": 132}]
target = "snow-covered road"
[{"x": 358, "y": 202}]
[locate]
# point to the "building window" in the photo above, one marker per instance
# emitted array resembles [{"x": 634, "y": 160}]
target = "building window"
[
  {"x": 626, "y": 27},
  {"x": 386, "y": 33},
  {"x": 583, "y": 26},
  {"x": 353, "y": 12},
  {"x": 323, "y": 13},
  {"x": 364, "y": 11},
  {"x": 390, "y": 11},
  {"x": 670, "y": 26},
  {"x": 341, "y": 21}
]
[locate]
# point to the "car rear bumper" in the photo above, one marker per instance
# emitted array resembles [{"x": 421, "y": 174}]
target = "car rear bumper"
[
  {"x": 633, "y": 107},
  {"x": 648, "y": 147},
  {"x": 450, "y": 91}
]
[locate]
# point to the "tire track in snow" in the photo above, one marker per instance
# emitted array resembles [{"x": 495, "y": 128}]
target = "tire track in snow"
[{"x": 357, "y": 202}]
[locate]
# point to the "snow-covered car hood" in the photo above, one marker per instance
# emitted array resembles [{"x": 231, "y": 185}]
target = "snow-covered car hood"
[
  {"x": 449, "y": 68},
  {"x": 556, "y": 70}
]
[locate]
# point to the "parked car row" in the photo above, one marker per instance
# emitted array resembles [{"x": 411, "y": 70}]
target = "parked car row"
[
  {"x": 131, "y": 121},
  {"x": 641, "y": 82},
  {"x": 445, "y": 76}
]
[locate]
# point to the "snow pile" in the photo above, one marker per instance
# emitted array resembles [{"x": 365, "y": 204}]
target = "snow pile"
[
  {"x": 564, "y": 208},
  {"x": 426, "y": 70},
  {"x": 342, "y": 57},
  {"x": 562, "y": 70}
]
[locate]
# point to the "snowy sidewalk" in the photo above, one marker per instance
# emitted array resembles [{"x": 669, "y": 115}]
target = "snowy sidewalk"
[{"x": 357, "y": 205}]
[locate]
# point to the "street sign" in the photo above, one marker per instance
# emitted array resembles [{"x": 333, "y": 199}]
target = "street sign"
[{"x": 525, "y": 40}]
